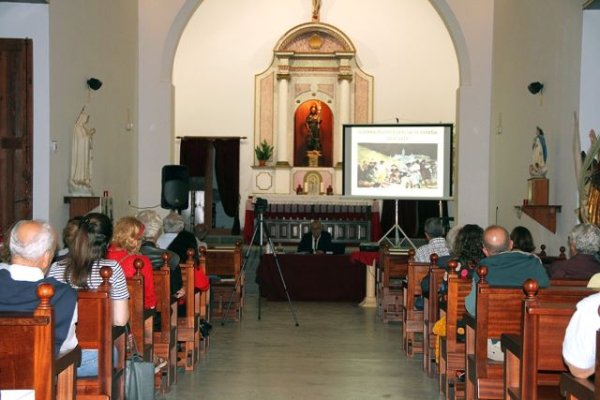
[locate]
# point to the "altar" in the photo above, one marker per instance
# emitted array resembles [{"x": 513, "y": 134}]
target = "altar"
[{"x": 312, "y": 277}]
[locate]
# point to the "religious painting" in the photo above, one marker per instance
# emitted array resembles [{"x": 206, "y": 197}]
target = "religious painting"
[{"x": 313, "y": 134}]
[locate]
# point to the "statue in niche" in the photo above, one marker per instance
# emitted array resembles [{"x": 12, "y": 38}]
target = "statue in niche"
[
  {"x": 313, "y": 128},
  {"x": 80, "y": 182},
  {"x": 538, "y": 168},
  {"x": 313, "y": 134}
]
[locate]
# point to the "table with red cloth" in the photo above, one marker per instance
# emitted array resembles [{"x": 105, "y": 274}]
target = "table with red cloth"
[
  {"x": 364, "y": 257},
  {"x": 312, "y": 277}
]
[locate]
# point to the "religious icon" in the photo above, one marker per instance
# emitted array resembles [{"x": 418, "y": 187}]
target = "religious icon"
[
  {"x": 313, "y": 134},
  {"x": 538, "y": 168},
  {"x": 80, "y": 182}
]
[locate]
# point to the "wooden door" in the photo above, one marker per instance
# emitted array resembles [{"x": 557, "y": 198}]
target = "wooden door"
[{"x": 16, "y": 131}]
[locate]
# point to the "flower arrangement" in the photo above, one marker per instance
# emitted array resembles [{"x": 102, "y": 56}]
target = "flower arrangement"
[{"x": 263, "y": 152}]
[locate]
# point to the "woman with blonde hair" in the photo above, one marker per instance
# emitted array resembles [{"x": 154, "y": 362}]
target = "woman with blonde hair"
[{"x": 125, "y": 249}]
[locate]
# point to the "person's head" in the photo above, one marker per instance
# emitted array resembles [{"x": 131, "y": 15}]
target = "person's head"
[
  {"x": 316, "y": 228},
  {"x": 496, "y": 240},
  {"x": 152, "y": 224},
  {"x": 173, "y": 223},
  {"x": 32, "y": 243},
  {"x": 200, "y": 230},
  {"x": 451, "y": 237},
  {"x": 313, "y": 109},
  {"x": 128, "y": 234},
  {"x": 468, "y": 246},
  {"x": 89, "y": 245},
  {"x": 69, "y": 231},
  {"x": 522, "y": 239},
  {"x": 584, "y": 239},
  {"x": 434, "y": 228}
]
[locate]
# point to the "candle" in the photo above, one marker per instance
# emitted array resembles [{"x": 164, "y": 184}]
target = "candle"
[
  {"x": 321, "y": 187},
  {"x": 305, "y": 187}
]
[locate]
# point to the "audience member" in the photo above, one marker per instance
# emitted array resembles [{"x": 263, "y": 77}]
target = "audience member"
[
  {"x": 450, "y": 244},
  {"x": 201, "y": 230},
  {"x": 434, "y": 233},
  {"x": 81, "y": 269},
  {"x": 32, "y": 245},
  {"x": 579, "y": 344},
  {"x": 468, "y": 249},
  {"x": 68, "y": 234},
  {"x": 506, "y": 267},
  {"x": 584, "y": 243},
  {"x": 152, "y": 231},
  {"x": 317, "y": 241},
  {"x": 522, "y": 239},
  {"x": 125, "y": 249}
]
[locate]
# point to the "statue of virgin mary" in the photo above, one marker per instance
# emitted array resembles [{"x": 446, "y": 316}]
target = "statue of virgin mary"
[{"x": 80, "y": 182}]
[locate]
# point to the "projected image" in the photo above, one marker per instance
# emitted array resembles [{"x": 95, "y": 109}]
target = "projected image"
[{"x": 397, "y": 165}]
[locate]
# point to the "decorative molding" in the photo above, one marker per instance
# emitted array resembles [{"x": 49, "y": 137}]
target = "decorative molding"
[
  {"x": 326, "y": 88},
  {"x": 315, "y": 38},
  {"x": 300, "y": 88},
  {"x": 264, "y": 181}
]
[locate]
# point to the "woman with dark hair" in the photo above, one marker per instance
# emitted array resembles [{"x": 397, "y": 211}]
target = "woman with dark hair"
[
  {"x": 81, "y": 269},
  {"x": 468, "y": 249},
  {"x": 522, "y": 239}
]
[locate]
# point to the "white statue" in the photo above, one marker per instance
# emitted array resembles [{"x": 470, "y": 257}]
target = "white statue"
[
  {"x": 81, "y": 157},
  {"x": 538, "y": 168}
]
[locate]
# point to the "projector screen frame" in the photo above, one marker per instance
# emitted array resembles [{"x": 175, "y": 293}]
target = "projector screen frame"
[{"x": 407, "y": 145}]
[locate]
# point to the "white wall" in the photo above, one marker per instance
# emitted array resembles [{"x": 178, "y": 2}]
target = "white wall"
[
  {"x": 31, "y": 21},
  {"x": 404, "y": 45},
  {"x": 536, "y": 40}
]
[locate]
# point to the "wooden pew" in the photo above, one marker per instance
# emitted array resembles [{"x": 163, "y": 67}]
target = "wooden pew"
[
  {"x": 165, "y": 340},
  {"x": 452, "y": 350},
  {"x": 140, "y": 319},
  {"x": 188, "y": 326},
  {"x": 499, "y": 311},
  {"x": 392, "y": 269},
  {"x": 27, "y": 359},
  {"x": 431, "y": 315},
  {"x": 412, "y": 319},
  {"x": 96, "y": 331},
  {"x": 533, "y": 358},
  {"x": 226, "y": 263}
]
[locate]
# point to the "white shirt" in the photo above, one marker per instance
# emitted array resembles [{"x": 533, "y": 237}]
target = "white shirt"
[
  {"x": 579, "y": 345},
  {"x": 33, "y": 274},
  {"x": 165, "y": 240}
]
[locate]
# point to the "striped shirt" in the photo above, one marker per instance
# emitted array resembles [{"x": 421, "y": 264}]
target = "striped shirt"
[{"x": 118, "y": 283}]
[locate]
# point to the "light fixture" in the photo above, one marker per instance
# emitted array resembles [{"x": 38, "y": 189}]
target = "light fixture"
[
  {"x": 94, "y": 83},
  {"x": 535, "y": 87}
]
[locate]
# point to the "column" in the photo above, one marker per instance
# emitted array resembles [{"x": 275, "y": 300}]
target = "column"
[
  {"x": 344, "y": 117},
  {"x": 282, "y": 119}
]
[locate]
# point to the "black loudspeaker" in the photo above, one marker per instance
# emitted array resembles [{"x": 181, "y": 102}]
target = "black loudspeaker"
[{"x": 175, "y": 187}]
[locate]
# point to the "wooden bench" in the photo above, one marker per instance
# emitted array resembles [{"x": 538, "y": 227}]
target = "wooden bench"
[
  {"x": 141, "y": 320},
  {"x": 27, "y": 356},
  {"x": 431, "y": 315},
  {"x": 96, "y": 331},
  {"x": 165, "y": 339},
  {"x": 499, "y": 311},
  {"x": 412, "y": 319},
  {"x": 583, "y": 389},
  {"x": 392, "y": 269},
  {"x": 452, "y": 350},
  {"x": 533, "y": 358},
  {"x": 188, "y": 326},
  {"x": 226, "y": 263}
]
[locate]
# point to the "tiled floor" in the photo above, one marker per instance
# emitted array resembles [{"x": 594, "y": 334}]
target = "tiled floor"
[{"x": 339, "y": 351}]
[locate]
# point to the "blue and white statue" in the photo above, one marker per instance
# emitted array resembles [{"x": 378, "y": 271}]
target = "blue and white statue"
[{"x": 539, "y": 150}]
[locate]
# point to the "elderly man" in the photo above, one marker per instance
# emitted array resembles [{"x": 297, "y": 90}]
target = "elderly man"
[
  {"x": 32, "y": 245},
  {"x": 505, "y": 267},
  {"x": 584, "y": 243},
  {"x": 317, "y": 241},
  {"x": 434, "y": 232}
]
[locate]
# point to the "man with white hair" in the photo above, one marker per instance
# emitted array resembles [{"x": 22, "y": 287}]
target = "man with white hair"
[
  {"x": 32, "y": 245},
  {"x": 584, "y": 244}
]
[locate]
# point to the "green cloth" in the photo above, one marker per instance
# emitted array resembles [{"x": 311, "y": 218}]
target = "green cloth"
[{"x": 511, "y": 268}]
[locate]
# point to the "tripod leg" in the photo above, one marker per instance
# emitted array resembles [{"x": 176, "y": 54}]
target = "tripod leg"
[{"x": 270, "y": 243}]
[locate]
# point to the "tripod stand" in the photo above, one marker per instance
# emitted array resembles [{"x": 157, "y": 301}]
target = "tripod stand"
[
  {"x": 261, "y": 230},
  {"x": 397, "y": 230}
]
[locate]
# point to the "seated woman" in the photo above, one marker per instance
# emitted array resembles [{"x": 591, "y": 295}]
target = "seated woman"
[
  {"x": 81, "y": 269},
  {"x": 125, "y": 249},
  {"x": 522, "y": 239}
]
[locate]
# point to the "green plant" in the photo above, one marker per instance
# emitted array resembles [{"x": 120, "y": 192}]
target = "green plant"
[{"x": 263, "y": 151}]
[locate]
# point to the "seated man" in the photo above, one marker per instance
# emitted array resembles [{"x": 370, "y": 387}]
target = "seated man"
[
  {"x": 579, "y": 344},
  {"x": 584, "y": 243},
  {"x": 317, "y": 241},
  {"x": 32, "y": 245},
  {"x": 505, "y": 268},
  {"x": 434, "y": 232}
]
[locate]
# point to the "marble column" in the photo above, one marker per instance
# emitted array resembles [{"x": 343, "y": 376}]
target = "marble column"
[{"x": 282, "y": 119}]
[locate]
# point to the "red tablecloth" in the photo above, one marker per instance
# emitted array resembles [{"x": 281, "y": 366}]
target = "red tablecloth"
[{"x": 364, "y": 257}]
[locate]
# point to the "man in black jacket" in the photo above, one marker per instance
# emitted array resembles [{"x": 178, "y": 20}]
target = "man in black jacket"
[{"x": 317, "y": 241}]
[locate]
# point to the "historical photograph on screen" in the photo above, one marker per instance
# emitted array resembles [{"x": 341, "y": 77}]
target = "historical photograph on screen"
[{"x": 397, "y": 161}]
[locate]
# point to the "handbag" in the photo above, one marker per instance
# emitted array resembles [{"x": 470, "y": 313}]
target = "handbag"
[{"x": 139, "y": 374}]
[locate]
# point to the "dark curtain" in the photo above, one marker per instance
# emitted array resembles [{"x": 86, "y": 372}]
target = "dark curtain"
[
  {"x": 227, "y": 172},
  {"x": 412, "y": 215},
  {"x": 193, "y": 153}
]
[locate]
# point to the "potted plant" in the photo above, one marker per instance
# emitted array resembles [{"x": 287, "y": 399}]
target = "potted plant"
[{"x": 263, "y": 152}]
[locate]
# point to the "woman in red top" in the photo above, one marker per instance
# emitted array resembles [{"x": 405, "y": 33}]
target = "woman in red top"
[{"x": 125, "y": 249}]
